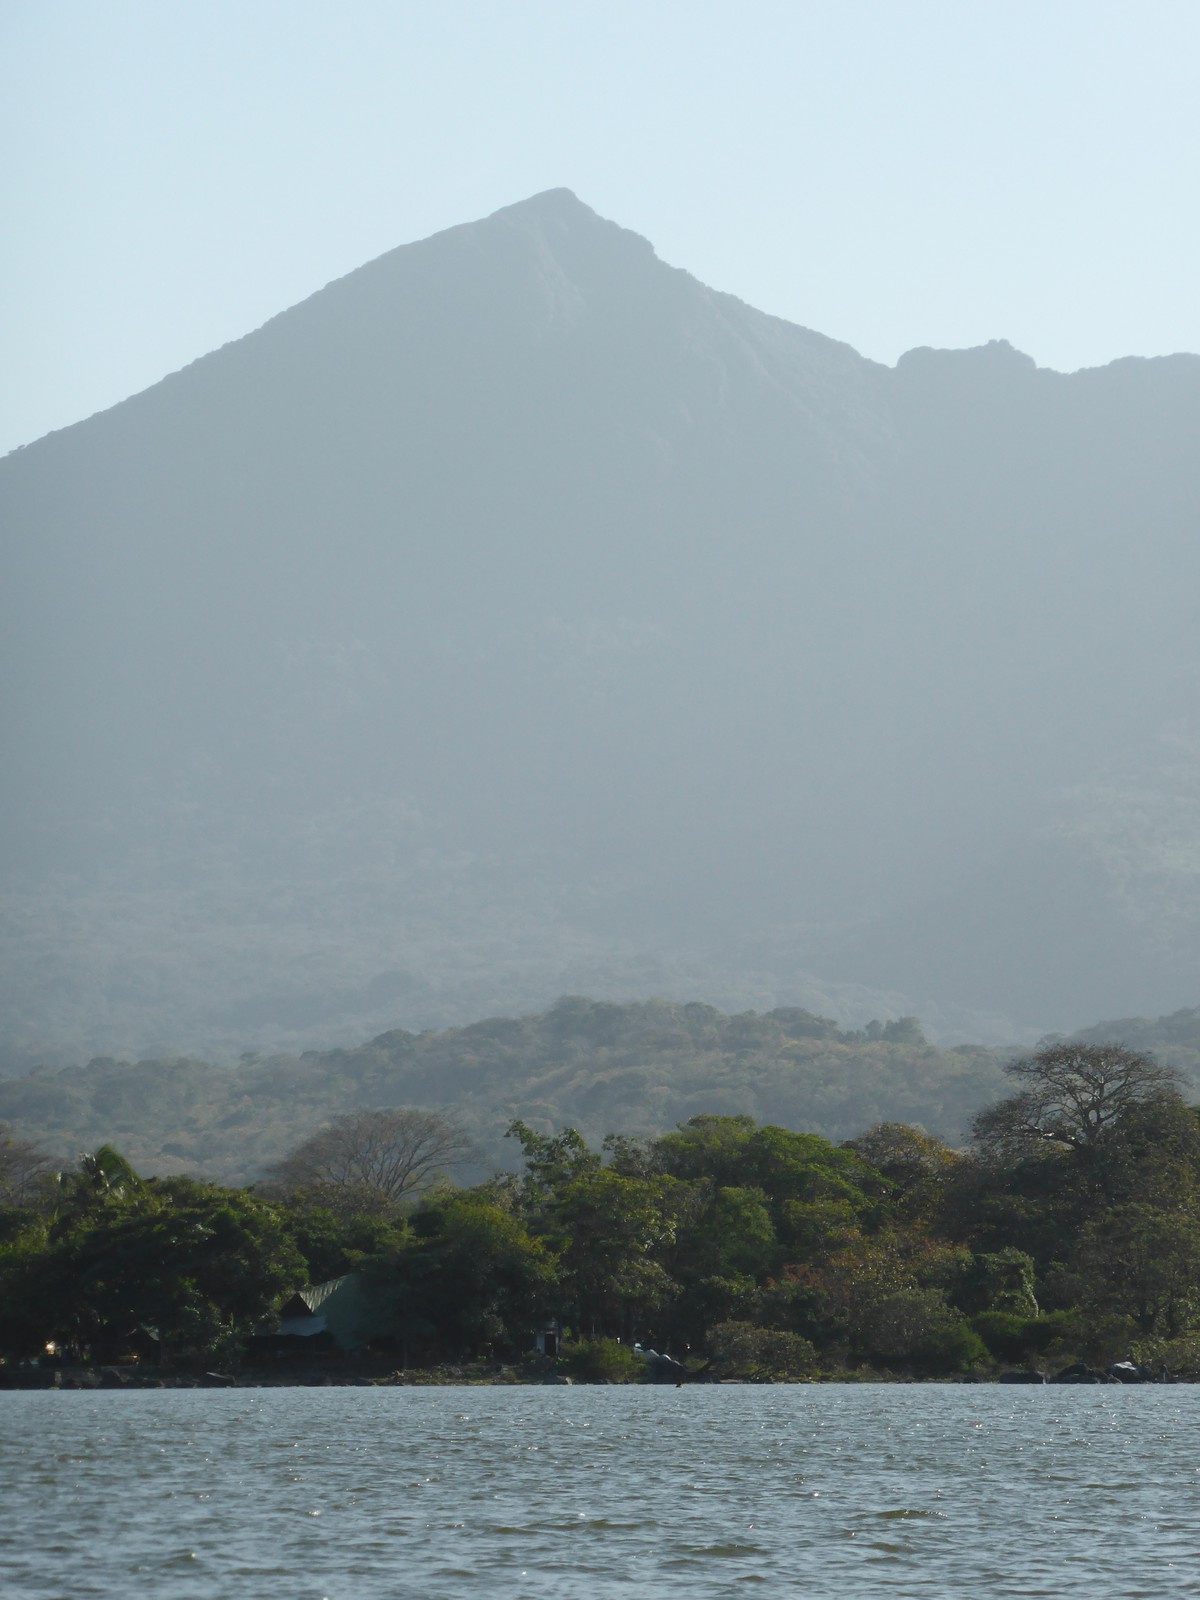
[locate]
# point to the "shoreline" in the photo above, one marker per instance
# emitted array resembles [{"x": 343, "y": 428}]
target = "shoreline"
[{"x": 115, "y": 1379}]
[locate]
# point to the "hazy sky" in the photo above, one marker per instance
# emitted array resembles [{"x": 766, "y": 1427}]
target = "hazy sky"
[{"x": 892, "y": 173}]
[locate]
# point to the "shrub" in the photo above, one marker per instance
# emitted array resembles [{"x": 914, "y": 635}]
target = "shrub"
[
  {"x": 1052, "y": 1327},
  {"x": 601, "y": 1361},
  {"x": 1004, "y": 1333},
  {"x": 952, "y": 1347},
  {"x": 765, "y": 1355},
  {"x": 1180, "y": 1357},
  {"x": 1011, "y": 1337}
]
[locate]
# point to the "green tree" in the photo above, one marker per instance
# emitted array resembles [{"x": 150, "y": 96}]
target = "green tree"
[
  {"x": 1000, "y": 1281},
  {"x": 710, "y": 1147},
  {"x": 914, "y": 1165},
  {"x": 885, "y": 1297},
  {"x": 333, "y": 1243},
  {"x": 201, "y": 1266},
  {"x": 731, "y": 1235},
  {"x": 725, "y": 1246},
  {"x": 1142, "y": 1263},
  {"x": 473, "y": 1280},
  {"x": 603, "y": 1361},
  {"x": 815, "y": 1192},
  {"x": 613, "y": 1233},
  {"x": 613, "y": 1236},
  {"x": 552, "y": 1160}
]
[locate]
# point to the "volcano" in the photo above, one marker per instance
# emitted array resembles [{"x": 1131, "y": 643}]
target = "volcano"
[{"x": 519, "y": 616}]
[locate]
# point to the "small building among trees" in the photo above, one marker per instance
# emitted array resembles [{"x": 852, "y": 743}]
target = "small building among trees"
[{"x": 343, "y": 1316}]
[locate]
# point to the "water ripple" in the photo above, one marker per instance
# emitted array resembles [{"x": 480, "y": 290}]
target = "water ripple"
[{"x": 359, "y": 1494}]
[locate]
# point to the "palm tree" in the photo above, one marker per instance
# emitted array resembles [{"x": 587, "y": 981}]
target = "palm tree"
[{"x": 102, "y": 1175}]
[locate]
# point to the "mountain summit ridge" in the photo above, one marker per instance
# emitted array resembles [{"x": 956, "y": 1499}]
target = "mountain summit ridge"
[{"x": 560, "y": 210}]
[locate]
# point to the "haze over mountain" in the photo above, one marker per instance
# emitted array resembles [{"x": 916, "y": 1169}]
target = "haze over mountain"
[{"x": 518, "y": 615}]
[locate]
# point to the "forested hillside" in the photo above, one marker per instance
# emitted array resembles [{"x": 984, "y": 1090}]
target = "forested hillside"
[{"x": 638, "y": 1068}]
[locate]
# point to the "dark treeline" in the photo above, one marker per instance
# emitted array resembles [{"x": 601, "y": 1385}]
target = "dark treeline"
[{"x": 1068, "y": 1232}]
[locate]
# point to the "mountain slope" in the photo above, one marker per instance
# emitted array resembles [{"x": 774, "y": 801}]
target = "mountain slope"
[{"x": 519, "y": 615}]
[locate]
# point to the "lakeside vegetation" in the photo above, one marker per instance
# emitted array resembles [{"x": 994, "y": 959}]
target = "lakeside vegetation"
[{"x": 1069, "y": 1231}]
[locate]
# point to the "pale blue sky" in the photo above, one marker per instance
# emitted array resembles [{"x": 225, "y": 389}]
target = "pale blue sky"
[{"x": 893, "y": 174}]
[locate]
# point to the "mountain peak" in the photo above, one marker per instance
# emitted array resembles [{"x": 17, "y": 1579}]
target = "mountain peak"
[
  {"x": 559, "y": 213},
  {"x": 555, "y": 202},
  {"x": 997, "y": 355}
]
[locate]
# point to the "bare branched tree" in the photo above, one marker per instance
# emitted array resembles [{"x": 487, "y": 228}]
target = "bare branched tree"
[
  {"x": 24, "y": 1169},
  {"x": 370, "y": 1160},
  {"x": 1070, "y": 1094}
]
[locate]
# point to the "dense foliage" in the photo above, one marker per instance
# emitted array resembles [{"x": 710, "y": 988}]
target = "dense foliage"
[{"x": 1070, "y": 1230}]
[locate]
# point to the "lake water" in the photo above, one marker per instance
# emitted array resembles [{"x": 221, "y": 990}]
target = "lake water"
[{"x": 440, "y": 1494}]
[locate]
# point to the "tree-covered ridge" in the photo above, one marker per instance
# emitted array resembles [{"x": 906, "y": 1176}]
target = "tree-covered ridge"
[
  {"x": 595, "y": 1065},
  {"x": 1066, "y": 1237},
  {"x": 1173, "y": 1040}
]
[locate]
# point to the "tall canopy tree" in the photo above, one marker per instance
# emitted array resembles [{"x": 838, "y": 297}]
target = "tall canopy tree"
[{"x": 1069, "y": 1095}]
